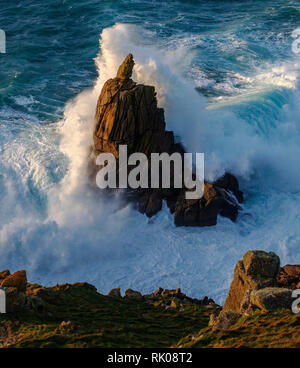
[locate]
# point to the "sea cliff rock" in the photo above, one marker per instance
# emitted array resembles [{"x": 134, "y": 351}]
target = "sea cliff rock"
[
  {"x": 127, "y": 114},
  {"x": 255, "y": 286}
]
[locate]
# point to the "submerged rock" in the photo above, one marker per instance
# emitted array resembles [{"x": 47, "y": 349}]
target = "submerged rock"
[{"x": 127, "y": 114}]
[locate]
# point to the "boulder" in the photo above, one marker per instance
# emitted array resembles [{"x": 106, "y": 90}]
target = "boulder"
[
  {"x": 4, "y": 274},
  {"x": 171, "y": 293},
  {"x": 224, "y": 321},
  {"x": 292, "y": 270},
  {"x": 271, "y": 298},
  {"x": 17, "y": 280},
  {"x": 175, "y": 303},
  {"x": 14, "y": 286},
  {"x": 67, "y": 326},
  {"x": 176, "y": 295},
  {"x": 127, "y": 114},
  {"x": 132, "y": 294},
  {"x": 157, "y": 292},
  {"x": 258, "y": 269},
  {"x": 204, "y": 211},
  {"x": 116, "y": 293},
  {"x": 255, "y": 286},
  {"x": 230, "y": 183},
  {"x": 289, "y": 276},
  {"x": 261, "y": 265}
]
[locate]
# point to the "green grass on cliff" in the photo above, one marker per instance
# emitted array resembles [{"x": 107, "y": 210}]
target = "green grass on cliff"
[
  {"x": 102, "y": 321},
  {"x": 279, "y": 329},
  {"x": 98, "y": 321}
]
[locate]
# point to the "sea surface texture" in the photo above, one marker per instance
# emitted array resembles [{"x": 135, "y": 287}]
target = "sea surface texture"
[{"x": 228, "y": 80}]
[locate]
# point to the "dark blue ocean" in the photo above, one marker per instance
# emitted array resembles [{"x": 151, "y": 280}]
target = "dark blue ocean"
[{"x": 227, "y": 77}]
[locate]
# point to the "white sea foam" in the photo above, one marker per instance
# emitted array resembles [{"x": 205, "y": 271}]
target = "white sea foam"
[{"x": 60, "y": 230}]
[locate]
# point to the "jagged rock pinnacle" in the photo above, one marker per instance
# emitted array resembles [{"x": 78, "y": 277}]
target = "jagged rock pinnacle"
[
  {"x": 127, "y": 114},
  {"x": 125, "y": 69}
]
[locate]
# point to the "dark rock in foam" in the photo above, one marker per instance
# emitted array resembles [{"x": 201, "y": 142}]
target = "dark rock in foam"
[{"x": 127, "y": 114}]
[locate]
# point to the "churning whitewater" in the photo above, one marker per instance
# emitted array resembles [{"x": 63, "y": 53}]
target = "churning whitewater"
[{"x": 246, "y": 121}]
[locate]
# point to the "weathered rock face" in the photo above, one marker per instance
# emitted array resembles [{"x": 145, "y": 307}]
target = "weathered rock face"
[
  {"x": 133, "y": 294},
  {"x": 258, "y": 269},
  {"x": 224, "y": 321},
  {"x": 127, "y": 114},
  {"x": 14, "y": 286},
  {"x": 164, "y": 297},
  {"x": 17, "y": 280},
  {"x": 3, "y": 275},
  {"x": 204, "y": 211},
  {"x": 116, "y": 293},
  {"x": 271, "y": 298},
  {"x": 289, "y": 276},
  {"x": 255, "y": 286},
  {"x": 176, "y": 296}
]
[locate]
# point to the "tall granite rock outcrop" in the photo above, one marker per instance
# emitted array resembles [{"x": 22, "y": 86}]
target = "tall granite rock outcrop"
[
  {"x": 258, "y": 284},
  {"x": 127, "y": 114}
]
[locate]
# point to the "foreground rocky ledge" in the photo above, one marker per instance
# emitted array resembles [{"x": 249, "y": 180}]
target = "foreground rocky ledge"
[
  {"x": 78, "y": 315},
  {"x": 127, "y": 114},
  {"x": 257, "y": 312}
]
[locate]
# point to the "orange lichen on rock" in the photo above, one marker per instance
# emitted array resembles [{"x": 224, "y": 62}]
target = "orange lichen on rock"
[{"x": 17, "y": 280}]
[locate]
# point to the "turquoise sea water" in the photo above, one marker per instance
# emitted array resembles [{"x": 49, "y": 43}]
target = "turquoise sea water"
[{"x": 229, "y": 82}]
